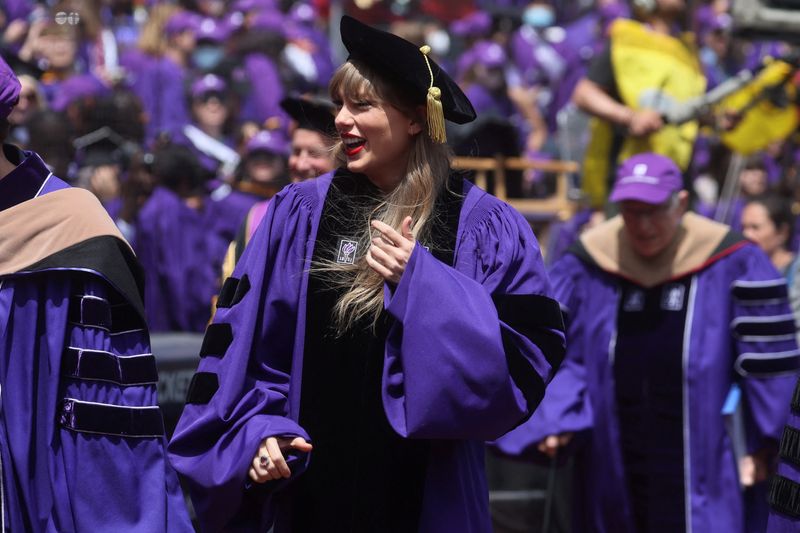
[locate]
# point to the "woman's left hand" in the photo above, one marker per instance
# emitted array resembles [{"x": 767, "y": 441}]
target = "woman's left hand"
[{"x": 389, "y": 253}]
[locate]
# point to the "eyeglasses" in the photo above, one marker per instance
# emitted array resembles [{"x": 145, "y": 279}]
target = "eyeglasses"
[
  {"x": 641, "y": 211},
  {"x": 30, "y": 97}
]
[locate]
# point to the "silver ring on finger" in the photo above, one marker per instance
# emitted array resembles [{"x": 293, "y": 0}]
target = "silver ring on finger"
[{"x": 264, "y": 459}]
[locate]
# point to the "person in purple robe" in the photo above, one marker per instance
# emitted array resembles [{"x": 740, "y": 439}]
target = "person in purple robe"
[
  {"x": 389, "y": 315},
  {"x": 82, "y": 444},
  {"x": 312, "y": 155},
  {"x": 177, "y": 251},
  {"x": 157, "y": 71},
  {"x": 665, "y": 312}
]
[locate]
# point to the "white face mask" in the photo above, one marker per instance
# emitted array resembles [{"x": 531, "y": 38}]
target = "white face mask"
[
  {"x": 439, "y": 41},
  {"x": 539, "y": 16}
]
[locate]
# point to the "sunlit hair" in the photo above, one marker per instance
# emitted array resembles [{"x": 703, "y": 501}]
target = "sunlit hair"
[
  {"x": 152, "y": 39},
  {"x": 425, "y": 178}
]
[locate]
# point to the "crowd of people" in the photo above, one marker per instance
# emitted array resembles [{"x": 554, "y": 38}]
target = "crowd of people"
[{"x": 371, "y": 317}]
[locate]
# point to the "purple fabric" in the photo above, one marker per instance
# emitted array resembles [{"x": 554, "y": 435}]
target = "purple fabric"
[
  {"x": 210, "y": 83},
  {"x": 182, "y": 21},
  {"x": 269, "y": 20},
  {"x": 464, "y": 375},
  {"x": 266, "y": 90},
  {"x": 779, "y": 522},
  {"x": 649, "y": 178},
  {"x": 77, "y": 87},
  {"x": 485, "y": 102},
  {"x": 224, "y": 215},
  {"x": 9, "y": 89},
  {"x": 581, "y": 397},
  {"x": 55, "y": 479},
  {"x": 213, "y": 30},
  {"x": 176, "y": 255},
  {"x": 477, "y": 23},
  {"x": 159, "y": 84},
  {"x": 274, "y": 142},
  {"x": 257, "y": 213},
  {"x": 17, "y": 9}
]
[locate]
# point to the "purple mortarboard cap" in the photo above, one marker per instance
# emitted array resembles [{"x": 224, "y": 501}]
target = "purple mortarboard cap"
[
  {"x": 9, "y": 89},
  {"x": 489, "y": 54},
  {"x": 76, "y": 87},
  {"x": 269, "y": 20},
  {"x": 273, "y": 142},
  {"x": 476, "y": 23},
  {"x": 210, "y": 83},
  {"x": 180, "y": 22},
  {"x": 648, "y": 177},
  {"x": 211, "y": 29}
]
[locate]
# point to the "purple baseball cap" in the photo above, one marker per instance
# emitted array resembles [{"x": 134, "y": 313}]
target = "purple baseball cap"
[
  {"x": 76, "y": 87},
  {"x": 273, "y": 142},
  {"x": 476, "y": 23},
  {"x": 9, "y": 89},
  {"x": 269, "y": 20},
  {"x": 489, "y": 53},
  {"x": 213, "y": 30},
  {"x": 648, "y": 177},
  {"x": 210, "y": 83},
  {"x": 182, "y": 21}
]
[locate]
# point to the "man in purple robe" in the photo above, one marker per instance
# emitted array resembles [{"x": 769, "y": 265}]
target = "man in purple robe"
[
  {"x": 665, "y": 311},
  {"x": 82, "y": 443}
]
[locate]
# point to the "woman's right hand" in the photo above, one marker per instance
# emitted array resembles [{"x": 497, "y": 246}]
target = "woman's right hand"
[
  {"x": 550, "y": 444},
  {"x": 269, "y": 462}
]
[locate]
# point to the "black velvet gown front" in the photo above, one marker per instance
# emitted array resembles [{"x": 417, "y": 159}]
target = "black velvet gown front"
[{"x": 363, "y": 477}]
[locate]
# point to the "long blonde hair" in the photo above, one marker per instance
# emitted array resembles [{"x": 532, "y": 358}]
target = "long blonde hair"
[{"x": 425, "y": 179}]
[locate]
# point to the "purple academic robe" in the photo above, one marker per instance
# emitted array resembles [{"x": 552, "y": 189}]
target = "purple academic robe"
[
  {"x": 159, "y": 83},
  {"x": 457, "y": 378},
  {"x": 785, "y": 487},
  {"x": 176, "y": 252},
  {"x": 82, "y": 443},
  {"x": 736, "y": 289}
]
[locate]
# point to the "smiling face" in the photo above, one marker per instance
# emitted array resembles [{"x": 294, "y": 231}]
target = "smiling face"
[
  {"x": 311, "y": 155},
  {"x": 377, "y": 137}
]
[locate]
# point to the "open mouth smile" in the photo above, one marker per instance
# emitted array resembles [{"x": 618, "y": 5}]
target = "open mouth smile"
[{"x": 352, "y": 144}]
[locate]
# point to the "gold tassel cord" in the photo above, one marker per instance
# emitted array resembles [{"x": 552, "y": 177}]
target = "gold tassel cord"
[{"x": 436, "y": 128}]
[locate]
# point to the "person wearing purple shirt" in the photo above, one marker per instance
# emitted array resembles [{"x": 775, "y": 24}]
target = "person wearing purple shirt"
[
  {"x": 82, "y": 444},
  {"x": 665, "y": 312},
  {"x": 356, "y": 365}
]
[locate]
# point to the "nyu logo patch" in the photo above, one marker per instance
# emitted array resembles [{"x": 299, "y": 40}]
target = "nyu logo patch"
[
  {"x": 634, "y": 301},
  {"x": 347, "y": 252},
  {"x": 672, "y": 297}
]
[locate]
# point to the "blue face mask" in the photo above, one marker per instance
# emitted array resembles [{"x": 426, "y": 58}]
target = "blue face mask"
[
  {"x": 539, "y": 17},
  {"x": 207, "y": 57}
]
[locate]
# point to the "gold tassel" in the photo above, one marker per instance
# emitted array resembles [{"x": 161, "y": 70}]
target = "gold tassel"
[{"x": 436, "y": 128}]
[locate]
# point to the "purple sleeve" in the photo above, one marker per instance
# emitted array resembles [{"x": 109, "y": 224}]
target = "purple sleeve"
[
  {"x": 767, "y": 357},
  {"x": 470, "y": 353},
  {"x": 238, "y": 396},
  {"x": 566, "y": 407}
]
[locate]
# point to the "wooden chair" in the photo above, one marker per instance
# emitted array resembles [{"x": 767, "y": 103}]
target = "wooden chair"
[{"x": 559, "y": 206}]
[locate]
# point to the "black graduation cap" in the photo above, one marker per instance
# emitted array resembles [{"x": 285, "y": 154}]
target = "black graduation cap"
[
  {"x": 103, "y": 146},
  {"x": 403, "y": 63},
  {"x": 311, "y": 113}
]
